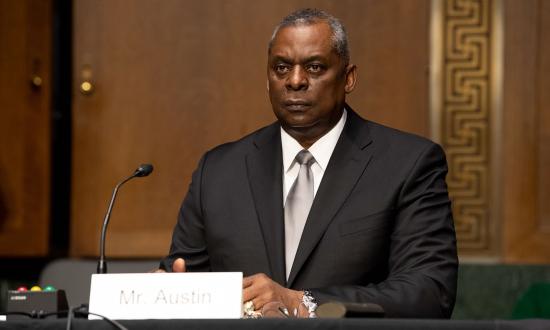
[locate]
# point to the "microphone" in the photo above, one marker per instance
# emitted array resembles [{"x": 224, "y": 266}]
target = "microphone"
[{"x": 141, "y": 171}]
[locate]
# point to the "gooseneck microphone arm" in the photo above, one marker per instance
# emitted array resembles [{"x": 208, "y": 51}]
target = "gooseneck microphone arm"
[{"x": 141, "y": 171}]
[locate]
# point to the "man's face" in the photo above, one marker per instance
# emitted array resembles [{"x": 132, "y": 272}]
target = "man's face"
[{"x": 307, "y": 81}]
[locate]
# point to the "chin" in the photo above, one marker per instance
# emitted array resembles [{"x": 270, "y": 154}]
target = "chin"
[{"x": 300, "y": 125}]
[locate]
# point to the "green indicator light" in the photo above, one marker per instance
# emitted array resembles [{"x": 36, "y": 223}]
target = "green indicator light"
[{"x": 49, "y": 288}]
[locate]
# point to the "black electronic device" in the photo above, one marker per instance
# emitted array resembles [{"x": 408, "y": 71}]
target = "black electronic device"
[{"x": 36, "y": 304}]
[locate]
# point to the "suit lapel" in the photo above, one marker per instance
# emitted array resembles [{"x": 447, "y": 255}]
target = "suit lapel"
[
  {"x": 347, "y": 163},
  {"x": 265, "y": 178}
]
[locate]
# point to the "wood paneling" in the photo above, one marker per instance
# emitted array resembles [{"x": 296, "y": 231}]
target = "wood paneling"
[
  {"x": 526, "y": 156},
  {"x": 175, "y": 78},
  {"x": 390, "y": 45},
  {"x": 464, "y": 33},
  {"x": 25, "y": 48},
  {"x": 544, "y": 115}
]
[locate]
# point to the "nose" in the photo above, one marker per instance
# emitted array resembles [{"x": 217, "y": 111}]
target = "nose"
[{"x": 297, "y": 79}]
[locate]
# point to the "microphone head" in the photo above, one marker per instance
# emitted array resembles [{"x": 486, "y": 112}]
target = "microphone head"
[{"x": 144, "y": 170}]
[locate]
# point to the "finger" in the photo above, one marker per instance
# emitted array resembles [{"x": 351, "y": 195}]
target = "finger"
[
  {"x": 178, "y": 266},
  {"x": 249, "y": 280},
  {"x": 259, "y": 302},
  {"x": 260, "y": 291},
  {"x": 255, "y": 296},
  {"x": 250, "y": 293}
]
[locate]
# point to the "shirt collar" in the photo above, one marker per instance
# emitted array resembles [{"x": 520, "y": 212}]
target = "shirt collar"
[{"x": 321, "y": 150}]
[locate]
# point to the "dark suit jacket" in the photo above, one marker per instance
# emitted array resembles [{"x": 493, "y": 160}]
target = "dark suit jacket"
[{"x": 380, "y": 228}]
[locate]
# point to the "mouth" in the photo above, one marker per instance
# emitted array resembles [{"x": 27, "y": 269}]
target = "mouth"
[{"x": 296, "y": 105}]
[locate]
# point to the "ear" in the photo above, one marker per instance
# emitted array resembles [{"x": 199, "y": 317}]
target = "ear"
[{"x": 351, "y": 78}]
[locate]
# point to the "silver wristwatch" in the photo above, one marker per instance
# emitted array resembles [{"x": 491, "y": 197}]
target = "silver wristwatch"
[{"x": 310, "y": 303}]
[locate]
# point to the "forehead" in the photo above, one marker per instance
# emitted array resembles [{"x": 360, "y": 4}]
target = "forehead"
[{"x": 303, "y": 39}]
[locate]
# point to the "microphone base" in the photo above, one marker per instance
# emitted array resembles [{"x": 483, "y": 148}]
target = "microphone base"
[{"x": 102, "y": 267}]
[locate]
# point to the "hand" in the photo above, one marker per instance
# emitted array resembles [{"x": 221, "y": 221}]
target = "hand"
[
  {"x": 177, "y": 267},
  {"x": 261, "y": 290}
]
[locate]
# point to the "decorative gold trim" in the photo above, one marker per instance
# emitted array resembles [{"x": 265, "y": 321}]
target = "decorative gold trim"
[
  {"x": 465, "y": 87},
  {"x": 436, "y": 68},
  {"x": 497, "y": 95}
]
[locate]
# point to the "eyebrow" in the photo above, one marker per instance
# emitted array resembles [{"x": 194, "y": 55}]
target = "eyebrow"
[{"x": 307, "y": 60}]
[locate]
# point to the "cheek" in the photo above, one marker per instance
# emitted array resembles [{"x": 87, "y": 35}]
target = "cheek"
[
  {"x": 322, "y": 90},
  {"x": 328, "y": 90},
  {"x": 275, "y": 87}
]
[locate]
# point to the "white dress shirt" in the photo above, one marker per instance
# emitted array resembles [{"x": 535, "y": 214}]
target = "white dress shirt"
[{"x": 321, "y": 150}]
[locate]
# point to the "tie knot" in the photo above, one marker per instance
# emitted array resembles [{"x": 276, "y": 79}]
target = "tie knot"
[{"x": 304, "y": 157}]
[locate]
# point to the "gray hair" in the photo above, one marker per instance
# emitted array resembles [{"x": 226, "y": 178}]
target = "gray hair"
[{"x": 309, "y": 16}]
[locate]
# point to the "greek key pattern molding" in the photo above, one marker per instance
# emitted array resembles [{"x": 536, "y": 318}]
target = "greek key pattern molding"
[{"x": 465, "y": 118}]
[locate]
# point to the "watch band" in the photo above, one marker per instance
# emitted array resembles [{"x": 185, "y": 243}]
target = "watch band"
[{"x": 311, "y": 304}]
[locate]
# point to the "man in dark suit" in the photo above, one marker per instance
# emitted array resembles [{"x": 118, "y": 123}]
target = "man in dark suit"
[{"x": 322, "y": 205}]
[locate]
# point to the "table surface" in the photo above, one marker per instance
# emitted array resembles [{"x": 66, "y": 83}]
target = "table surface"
[{"x": 287, "y": 324}]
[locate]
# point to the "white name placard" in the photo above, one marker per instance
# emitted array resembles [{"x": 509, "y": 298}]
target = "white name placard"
[{"x": 167, "y": 296}]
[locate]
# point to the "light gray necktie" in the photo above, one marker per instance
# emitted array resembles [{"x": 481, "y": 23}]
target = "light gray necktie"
[{"x": 298, "y": 203}]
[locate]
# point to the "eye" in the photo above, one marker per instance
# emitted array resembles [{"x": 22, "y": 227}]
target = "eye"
[
  {"x": 314, "y": 68},
  {"x": 281, "y": 68}
]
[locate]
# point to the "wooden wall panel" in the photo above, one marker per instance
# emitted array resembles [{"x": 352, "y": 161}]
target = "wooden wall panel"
[
  {"x": 390, "y": 45},
  {"x": 173, "y": 78},
  {"x": 544, "y": 115},
  {"x": 492, "y": 115},
  {"x": 526, "y": 132},
  {"x": 25, "y": 54}
]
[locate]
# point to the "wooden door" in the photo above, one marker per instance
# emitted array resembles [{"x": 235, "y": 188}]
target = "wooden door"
[
  {"x": 25, "y": 110},
  {"x": 164, "y": 81}
]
